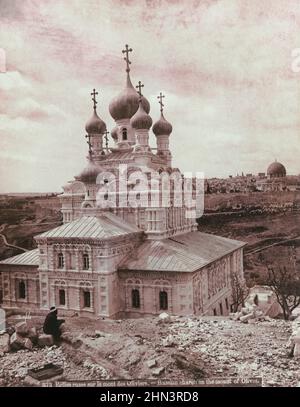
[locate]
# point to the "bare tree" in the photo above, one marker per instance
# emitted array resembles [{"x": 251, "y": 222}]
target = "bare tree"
[
  {"x": 285, "y": 283},
  {"x": 239, "y": 292}
]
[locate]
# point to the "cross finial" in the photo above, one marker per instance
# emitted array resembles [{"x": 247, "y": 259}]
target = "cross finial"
[
  {"x": 126, "y": 51},
  {"x": 106, "y": 133},
  {"x": 160, "y": 98},
  {"x": 94, "y": 94},
  {"x": 139, "y": 86},
  {"x": 88, "y": 136}
]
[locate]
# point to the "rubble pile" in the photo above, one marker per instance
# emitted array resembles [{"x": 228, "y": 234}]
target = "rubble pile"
[
  {"x": 228, "y": 348},
  {"x": 15, "y": 366},
  {"x": 165, "y": 347},
  {"x": 250, "y": 314},
  {"x": 23, "y": 336},
  {"x": 98, "y": 371}
]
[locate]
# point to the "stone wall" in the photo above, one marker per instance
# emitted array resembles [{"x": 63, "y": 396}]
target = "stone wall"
[
  {"x": 204, "y": 292},
  {"x": 20, "y": 287},
  {"x": 207, "y": 291},
  {"x": 177, "y": 286},
  {"x": 265, "y": 200}
]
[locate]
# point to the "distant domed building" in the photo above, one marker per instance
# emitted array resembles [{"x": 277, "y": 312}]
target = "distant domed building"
[
  {"x": 276, "y": 170},
  {"x": 276, "y": 178}
]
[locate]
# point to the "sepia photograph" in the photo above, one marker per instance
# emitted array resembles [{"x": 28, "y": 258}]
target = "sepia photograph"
[{"x": 149, "y": 196}]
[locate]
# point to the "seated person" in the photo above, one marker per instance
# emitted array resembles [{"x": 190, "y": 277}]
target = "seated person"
[{"x": 52, "y": 324}]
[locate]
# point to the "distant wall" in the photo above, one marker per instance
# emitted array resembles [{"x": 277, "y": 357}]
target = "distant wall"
[{"x": 251, "y": 201}]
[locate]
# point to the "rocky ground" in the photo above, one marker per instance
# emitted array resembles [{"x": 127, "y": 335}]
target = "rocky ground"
[{"x": 183, "y": 349}]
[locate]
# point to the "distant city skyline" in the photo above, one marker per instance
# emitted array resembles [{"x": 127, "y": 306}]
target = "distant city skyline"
[{"x": 225, "y": 67}]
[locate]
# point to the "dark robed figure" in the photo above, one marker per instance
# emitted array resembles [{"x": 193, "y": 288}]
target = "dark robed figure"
[{"x": 52, "y": 324}]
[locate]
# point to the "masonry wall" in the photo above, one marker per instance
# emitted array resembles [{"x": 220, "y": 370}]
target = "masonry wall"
[
  {"x": 219, "y": 202},
  {"x": 14, "y": 296},
  {"x": 177, "y": 286},
  {"x": 215, "y": 284},
  {"x": 207, "y": 291}
]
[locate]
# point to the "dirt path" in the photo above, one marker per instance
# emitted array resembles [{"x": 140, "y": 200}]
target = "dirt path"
[
  {"x": 260, "y": 249},
  {"x": 2, "y": 227}
]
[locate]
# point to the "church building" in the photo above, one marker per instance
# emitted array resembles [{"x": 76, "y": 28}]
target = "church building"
[{"x": 120, "y": 252}]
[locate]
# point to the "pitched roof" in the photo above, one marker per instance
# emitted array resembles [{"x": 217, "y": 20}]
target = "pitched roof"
[
  {"x": 126, "y": 155},
  {"x": 92, "y": 227},
  {"x": 30, "y": 258},
  {"x": 183, "y": 253}
]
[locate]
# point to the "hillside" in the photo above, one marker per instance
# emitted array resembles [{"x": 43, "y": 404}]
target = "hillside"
[{"x": 184, "y": 349}]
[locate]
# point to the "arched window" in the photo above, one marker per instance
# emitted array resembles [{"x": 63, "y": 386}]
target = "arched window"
[
  {"x": 86, "y": 299},
  {"x": 61, "y": 261},
  {"x": 163, "y": 300},
  {"x": 62, "y": 297},
  {"x": 124, "y": 134},
  {"x": 135, "y": 298},
  {"x": 22, "y": 290},
  {"x": 86, "y": 261}
]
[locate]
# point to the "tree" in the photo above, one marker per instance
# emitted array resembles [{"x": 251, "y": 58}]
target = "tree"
[
  {"x": 240, "y": 292},
  {"x": 285, "y": 283}
]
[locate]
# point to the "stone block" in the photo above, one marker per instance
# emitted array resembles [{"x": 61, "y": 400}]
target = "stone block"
[
  {"x": 22, "y": 328},
  {"x": 33, "y": 336},
  {"x": 151, "y": 363},
  {"x": 45, "y": 340},
  {"x": 4, "y": 343},
  {"x": 297, "y": 350},
  {"x": 16, "y": 342},
  {"x": 158, "y": 371},
  {"x": 245, "y": 311},
  {"x": 28, "y": 344},
  {"x": 245, "y": 318},
  {"x": 164, "y": 317}
]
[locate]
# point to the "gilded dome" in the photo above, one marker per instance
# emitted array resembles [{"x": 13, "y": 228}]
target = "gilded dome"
[
  {"x": 89, "y": 173},
  {"x": 162, "y": 127},
  {"x": 276, "y": 169},
  {"x": 141, "y": 120},
  {"x": 125, "y": 105},
  {"x": 95, "y": 125}
]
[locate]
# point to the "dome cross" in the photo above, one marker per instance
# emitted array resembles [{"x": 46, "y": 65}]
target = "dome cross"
[
  {"x": 126, "y": 51},
  {"x": 94, "y": 94},
  {"x": 160, "y": 98},
  {"x": 139, "y": 86}
]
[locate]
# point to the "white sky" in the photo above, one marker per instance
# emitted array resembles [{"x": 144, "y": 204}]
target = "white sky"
[{"x": 224, "y": 65}]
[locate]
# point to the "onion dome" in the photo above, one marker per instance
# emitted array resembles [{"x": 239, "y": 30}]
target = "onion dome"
[
  {"x": 89, "y": 174},
  {"x": 162, "y": 127},
  {"x": 126, "y": 104},
  {"x": 114, "y": 133},
  {"x": 95, "y": 125},
  {"x": 276, "y": 169},
  {"x": 141, "y": 120}
]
